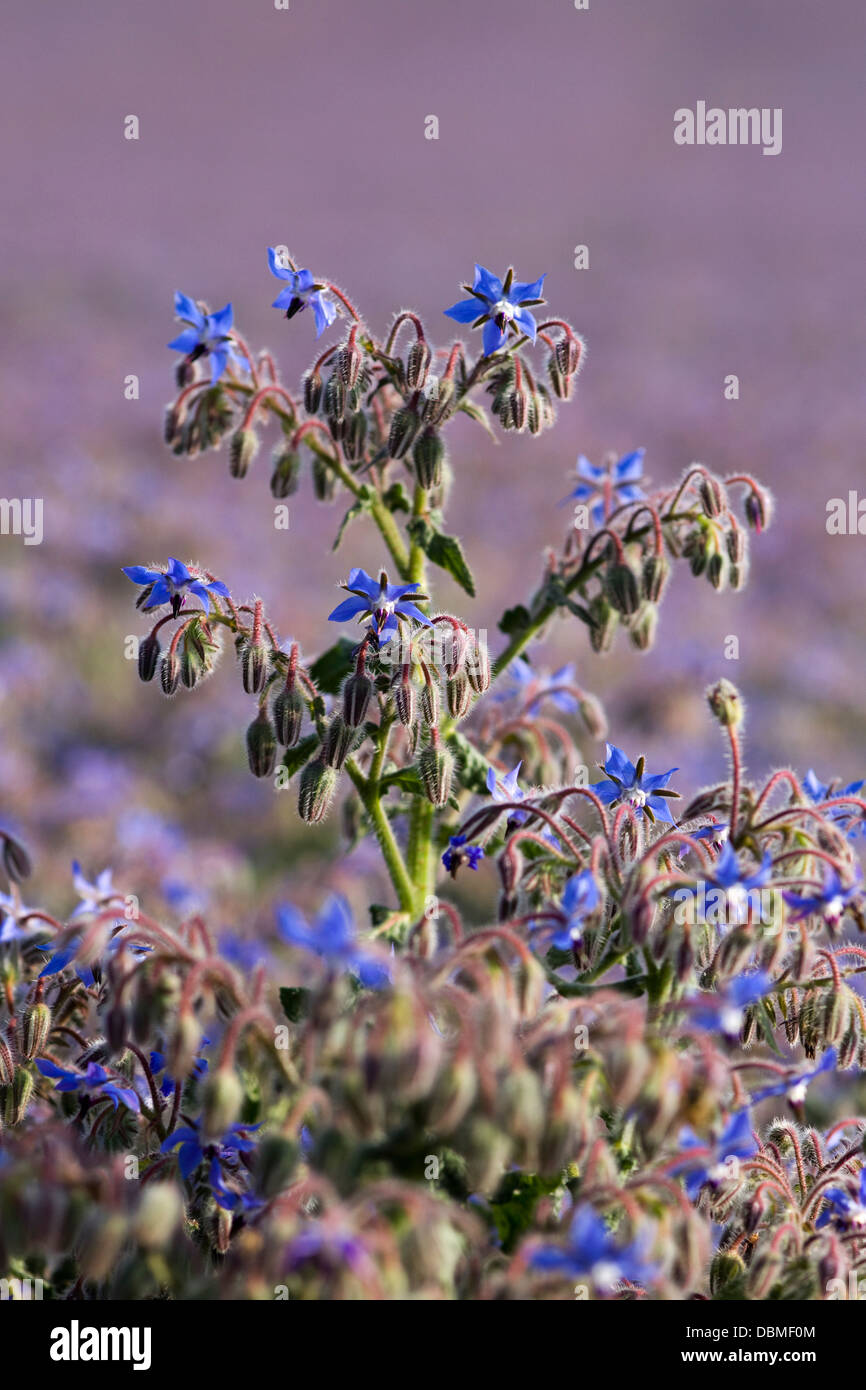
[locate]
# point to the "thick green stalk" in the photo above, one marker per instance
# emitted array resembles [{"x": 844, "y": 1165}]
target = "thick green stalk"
[{"x": 369, "y": 794}]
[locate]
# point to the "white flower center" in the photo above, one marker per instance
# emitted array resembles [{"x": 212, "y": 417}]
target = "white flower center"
[
  {"x": 636, "y": 797},
  {"x": 503, "y": 309},
  {"x": 731, "y": 1019},
  {"x": 834, "y": 909},
  {"x": 738, "y": 902},
  {"x": 606, "y": 1275}
]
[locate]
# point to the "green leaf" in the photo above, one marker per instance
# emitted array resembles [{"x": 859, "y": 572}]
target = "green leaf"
[
  {"x": 479, "y": 414},
  {"x": 330, "y": 669},
  {"x": 444, "y": 551},
  {"x": 764, "y": 1019},
  {"x": 395, "y": 498},
  {"x": 406, "y": 778},
  {"x": 515, "y": 620},
  {"x": 294, "y": 758},
  {"x": 295, "y": 1002}
]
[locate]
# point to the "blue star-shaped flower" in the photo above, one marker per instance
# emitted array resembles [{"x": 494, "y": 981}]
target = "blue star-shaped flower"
[
  {"x": 460, "y": 852},
  {"x": 384, "y": 604},
  {"x": 580, "y": 897},
  {"x": 608, "y": 487},
  {"x": 500, "y": 306},
  {"x": 630, "y": 784},
  {"x": 592, "y": 1250},
  {"x": 93, "y": 896},
  {"x": 828, "y": 902},
  {"x": 711, "y": 1163},
  {"x": 537, "y": 686},
  {"x": 332, "y": 937},
  {"x": 222, "y": 1156},
  {"x": 736, "y": 885},
  {"x": 724, "y": 1012},
  {"x": 506, "y": 789},
  {"x": 821, "y": 791},
  {"x": 168, "y": 1083},
  {"x": 207, "y": 335},
  {"x": 795, "y": 1083},
  {"x": 95, "y": 1078},
  {"x": 847, "y": 1211},
  {"x": 172, "y": 585},
  {"x": 301, "y": 290}
]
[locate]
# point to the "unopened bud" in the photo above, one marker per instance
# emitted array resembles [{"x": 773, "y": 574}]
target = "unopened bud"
[
  {"x": 191, "y": 666},
  {"x": 357, "y": 693},
  {"x": 478, "y": 668},
  {"x": 404, "y": 427},
  {"x": 221, "y": 1101},
  {"x": 717, "y": 570},
  {"x": 158, "y": 1216},
  {"x": 427, "y": 456},
  {"x": 324, "y": 480},
  {"x": 434, "y": 768},
  {"x": 458, "y": 695},
  {"x": 562, "y": 385},
  {"x": 713, "y": 497},
  {"x": 518, "y": 402},
  {"x": 285, "y": 471},
  {"x": 643, "y": 630},
  {"x": 759, "y": 510},
  {"x": 605, "y": 619},
  {"x": 338, "y": 742},
  {"x": 736, "y": 545},
  {"x": 148, "y": 657},
  {"x": 34, "y": 1033},
  {"x": 354, "y": 436},
  {"x": 654, "y": 577},
  {"x": 261, "y": 745},
  {"x": 725, "y": 703},
  {"x": 568, "y": 353},
  {"x": 430, "y": 703},
  {"x": 169, "y": 673},
  {"x": 335, "y": 398},
  {"x": 317, "y": 787},
  {"x": 621, "y": 588},
  {"x": 312, "y": 386},
  {"x": 593, "y": 716},
  {"x": 417, "y": 364},
  {"x": 254, "y": 666},
  {"x": 7, "y": 1064},
  {"x": 16, "y": 860},
  {"x": 439, "y": 400},
  {"x": 243, "y": 448},
  {"x": 288, "y": 713},
  {"x": 348, "y": 364},
  {"x": 18, "y": 1098},
  {"x": 404, "y": 701}
]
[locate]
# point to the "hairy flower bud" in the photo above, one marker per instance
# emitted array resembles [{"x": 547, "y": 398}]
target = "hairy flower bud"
[
  {"x": 357, "y": 693},
  {"x": 593, "y": 716},
  {"x": 605, "y": 619},
  {"x": 288, "y": 714},
  {"x": 430, "y": 703},
  {"x": 622, "y": 590},
  {"x": 338, "y": 742},
  {"x": 355, "y": 436},
  {"x": 348, "y": 364},
  {"x": 759, "y": 509},
  {"x": 562, "y": 384},
  {"x": 518, "y": 403},
  {"x": 243, "y": 448},
  {"x": 312, "y": 388},
  {"x": 191, "y": 666},
  {"x": 18, "y": 1097},
  {"x": 643, "y": 630},
  {"x": 434, "y": 768},
  {"x": 438, "y": 400},
  {"x": 427, "y": 456},
  {"x": 254, "y": 666},
  {"x": 654, "y": 577},
  {"x": 324, "y": 480},
  {"x": 725, "y": 704},
  {"x": 16, "y": 860},
  {"x": 221, "y": 1101},
  {"x": 159, "y": 1214},
  {"x": 458, "y": 694},
  {"x": 568, "y": 354},
  {"x": 35, "y": 1030},
  {"x": 169, "y": 673},
  {"x": 736, "y": 544},
  {"x": 317, "y": 787},
  {"x": 417, "y": 364},
  {"x": 404, "y": 427},
  {"x": 713, "y": 497},
  {"x": 717, "y": 570},
  {"x": 261, "y": 745},
  {"x": 7, "y": 1064},
  {"x": 335, "y": 399},
  {"x": 285, "y": 471},
  {"x": 404, "y": 700},
  {"x": 478, "y": 668},
  {"x": 148, "y": 657}
]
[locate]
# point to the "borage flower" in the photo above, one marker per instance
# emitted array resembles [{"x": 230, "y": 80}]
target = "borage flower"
[
  {"x": 593, "y": 1251},
  {"x": 207, "y": 335},
  {"x": 711, "y": 1164},
  {"x": 725, "y": 1012},
  {"x": 829, "y": 902},
  {"x": 737, "y": 886},
  {"x": 384, "y": 604},
  {"x": 333, "y": 939},
  {"x": 627, "y": 782},
  {"x": 502, "y": 306},
  {"x": 536, "y": 686},
  {"x": 95, "y": 1078},
  {"x": 506, "y": 789},
  {"x": 301, "y": 290},
  {"x": 608, "y": 487},
  {"x": 223, "y": 1159},
  {"x": 580, "y": 898},
  {"x": 172, "y": 585},
  {"x": 159, "y": 1067},
  {"x": 94, "y": 896},
  {"x": 459, "y": 852},
  {"x": 847, "y": 1210},
  {"x": 794, "y": 1085}
]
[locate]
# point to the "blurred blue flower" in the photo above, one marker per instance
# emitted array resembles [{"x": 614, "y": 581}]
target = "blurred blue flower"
[
  {"x": 830, "y": 901},
  {"x": 222, "y": 1156},
  {"x": 536, "y": 686},
  {"x": 499, "y": 306},
  {"x": 172, "y": 585},
  {"x": 592, "y": 1250},
  {"x": 847, "y": 1211},
  {"x": 95, "y": 1078},
  {"x": 725, "y": 1012},
  {"x": 630, "y": 784},
  {"x": 795, "y": 1083},
  {"x": 385, "y": 604},
  {"x": 712, "y": 1163},
  {"x": 819, "y": 792},
  {"x": 506, "y": 789},
  {"x": 93, "y": 896},
  {"x": 580, "y": 897},
  {"x": 301, "y": 290},
  {"x": 332, "y": 937},
  {"x": 168, "y": 1083},
  {"x": 608, "y": 487},
  {"x": 208, "y": 335}
]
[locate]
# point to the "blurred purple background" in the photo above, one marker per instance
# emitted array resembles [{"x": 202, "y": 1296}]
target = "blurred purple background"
[{"x": 306, "y": 128}]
